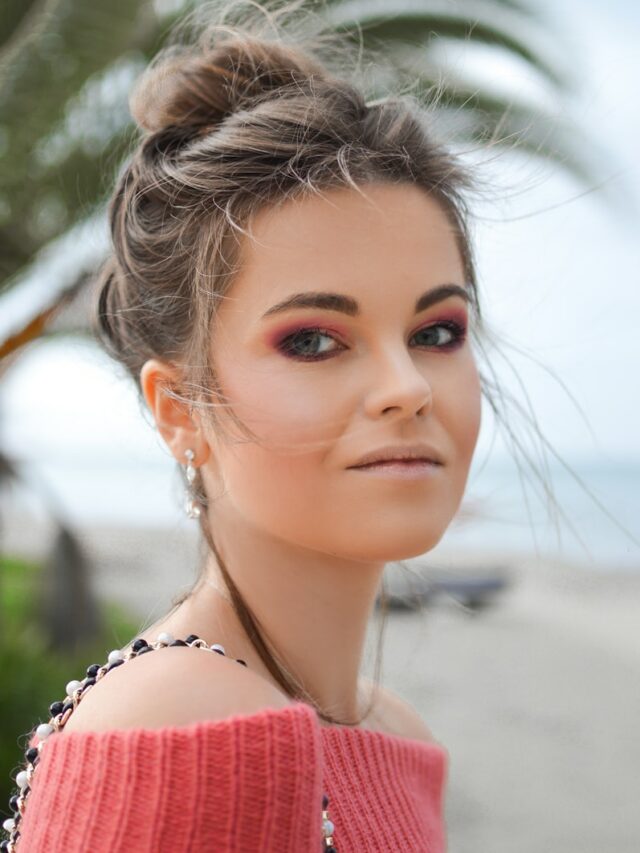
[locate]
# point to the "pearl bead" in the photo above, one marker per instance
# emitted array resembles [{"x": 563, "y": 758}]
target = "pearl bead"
[
  {"x": 72, "y": 686},
  {"x": 217, "y": 646},
  {"x": 9, "y": 824},
  {"x": 165, "y": 637},
  {"x": 191, "y": 508},
  {"x": 115, "y": 655},
  {"x": 327, "y": 827},
  {"x": 44, "y": 730},
  {"x": 22, "y": 779}
]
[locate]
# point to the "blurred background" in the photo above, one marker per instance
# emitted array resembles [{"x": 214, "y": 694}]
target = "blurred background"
[{"x": 517, "y": 637}]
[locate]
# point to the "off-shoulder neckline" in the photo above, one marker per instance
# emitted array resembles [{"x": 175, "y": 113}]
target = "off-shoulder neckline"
[
  {"x": 330, "y": 732},
  {"x": 333, "y": 730},
  {"x": 337, "y": 730}
]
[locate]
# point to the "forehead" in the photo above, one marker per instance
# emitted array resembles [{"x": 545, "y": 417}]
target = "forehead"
[{"x": 392, "y": 237}]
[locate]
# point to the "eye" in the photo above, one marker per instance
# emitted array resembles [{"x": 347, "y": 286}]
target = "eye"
[
  {"x": 445, "y": 335},
  {"x": 304, "y": 344}
]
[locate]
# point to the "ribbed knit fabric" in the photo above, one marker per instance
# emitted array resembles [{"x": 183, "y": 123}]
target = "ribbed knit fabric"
[{"x": 249, "y": 784}]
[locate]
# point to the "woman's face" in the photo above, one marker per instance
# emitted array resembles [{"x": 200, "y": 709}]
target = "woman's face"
[{"x": 322, "y": 386}]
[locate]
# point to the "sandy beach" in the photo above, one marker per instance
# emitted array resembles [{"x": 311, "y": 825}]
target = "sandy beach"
[{"x": 536, "y": 697}]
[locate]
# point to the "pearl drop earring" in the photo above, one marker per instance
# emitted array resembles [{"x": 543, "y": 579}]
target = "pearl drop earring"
[{"x": 191, "y": 505}]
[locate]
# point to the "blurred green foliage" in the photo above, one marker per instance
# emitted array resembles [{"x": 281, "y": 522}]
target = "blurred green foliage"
[{"x": 33, "y": 676}]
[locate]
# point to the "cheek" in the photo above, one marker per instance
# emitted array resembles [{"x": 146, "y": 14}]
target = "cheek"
[
  {"x": 278, "y": 480},
  {"x": 288, "y": 412},
  {"x": 462, "y": 407},
  {"x": 288, "y": 495}
]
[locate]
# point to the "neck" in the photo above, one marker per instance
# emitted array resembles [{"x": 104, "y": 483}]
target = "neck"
[{"x": 312, "y": 609}]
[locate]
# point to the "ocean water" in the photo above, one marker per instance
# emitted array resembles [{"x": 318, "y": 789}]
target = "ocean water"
[
  {"x": 499, "y": 512},
  {"x": 596, "y": 522}
]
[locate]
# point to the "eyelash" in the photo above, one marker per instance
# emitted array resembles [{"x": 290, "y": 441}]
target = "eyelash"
[{"x": 285, "y": 345}]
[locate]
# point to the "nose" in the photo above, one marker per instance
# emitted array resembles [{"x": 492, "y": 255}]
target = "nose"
[{"x": 399, "y": 387}]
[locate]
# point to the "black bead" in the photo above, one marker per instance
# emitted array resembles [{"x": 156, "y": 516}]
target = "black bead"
[
  {"x": 145, "y": 649},
  {"x": 138, "y": 644},
  {"x": 88, "y": 683},
  {"x": 68, "y": 704},
  {"x": 55, "y": 708},
  {"x": 13, "y": 803},
  {"x": 331, "y": 849},
  {"x": 4, "y": 845},
  {"x": 31, "y": 754},
  {"x": 191, "y": 638},
  {"x": 92, "y": 670},
  {"x": 325, "y": 801},
  {"x": 178, "y": 643},
  {"x": 243, "y": 662}
]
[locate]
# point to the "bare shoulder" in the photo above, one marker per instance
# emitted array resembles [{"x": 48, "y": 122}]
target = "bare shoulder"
[
  {"x": 173, "y": 686},
  {"x": 399, "y": 717}
]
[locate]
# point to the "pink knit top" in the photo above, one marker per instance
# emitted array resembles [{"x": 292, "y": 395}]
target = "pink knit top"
[{"x": 250, "y": 784}]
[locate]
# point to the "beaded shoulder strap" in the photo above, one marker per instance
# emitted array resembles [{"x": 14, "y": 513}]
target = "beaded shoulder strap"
[{"x": 60, "y": 711}]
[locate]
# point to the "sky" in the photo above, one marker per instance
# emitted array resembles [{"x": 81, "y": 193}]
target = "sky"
[
  {"x": 558, "y": 277},
  {"x": 559, "y": 267}
]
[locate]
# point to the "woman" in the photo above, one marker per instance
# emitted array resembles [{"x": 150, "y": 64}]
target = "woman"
[{"x": 292, "y": 288}]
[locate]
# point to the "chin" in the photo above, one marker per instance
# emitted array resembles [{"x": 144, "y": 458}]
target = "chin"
[{"x": 385, "y": 547}]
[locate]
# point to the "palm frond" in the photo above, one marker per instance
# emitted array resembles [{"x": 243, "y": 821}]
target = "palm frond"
[
  {"x": 79, "y": 40},
  {"x": 61, "y": 151},
  {"x": 420, "y": 24}
]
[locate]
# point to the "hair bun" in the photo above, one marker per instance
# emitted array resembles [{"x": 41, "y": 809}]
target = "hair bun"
[{"x": 198, "y": 88}]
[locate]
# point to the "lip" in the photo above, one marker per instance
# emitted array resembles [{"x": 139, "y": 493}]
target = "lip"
[
  {"x": 411, "y": 469},
  {"x": 402, "y": 453}
]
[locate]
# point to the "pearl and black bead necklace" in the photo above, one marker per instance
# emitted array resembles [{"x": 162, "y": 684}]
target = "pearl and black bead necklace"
[{"x": 60, "y": 712}]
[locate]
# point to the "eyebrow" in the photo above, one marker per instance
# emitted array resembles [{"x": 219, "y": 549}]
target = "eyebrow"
[{"x": 348, "y": 305}]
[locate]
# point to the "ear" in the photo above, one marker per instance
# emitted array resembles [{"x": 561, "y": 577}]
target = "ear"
[{"x": 179, "y": 427}]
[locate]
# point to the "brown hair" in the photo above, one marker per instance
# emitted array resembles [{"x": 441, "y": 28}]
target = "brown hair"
[{"x": 244, "y": 116}]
